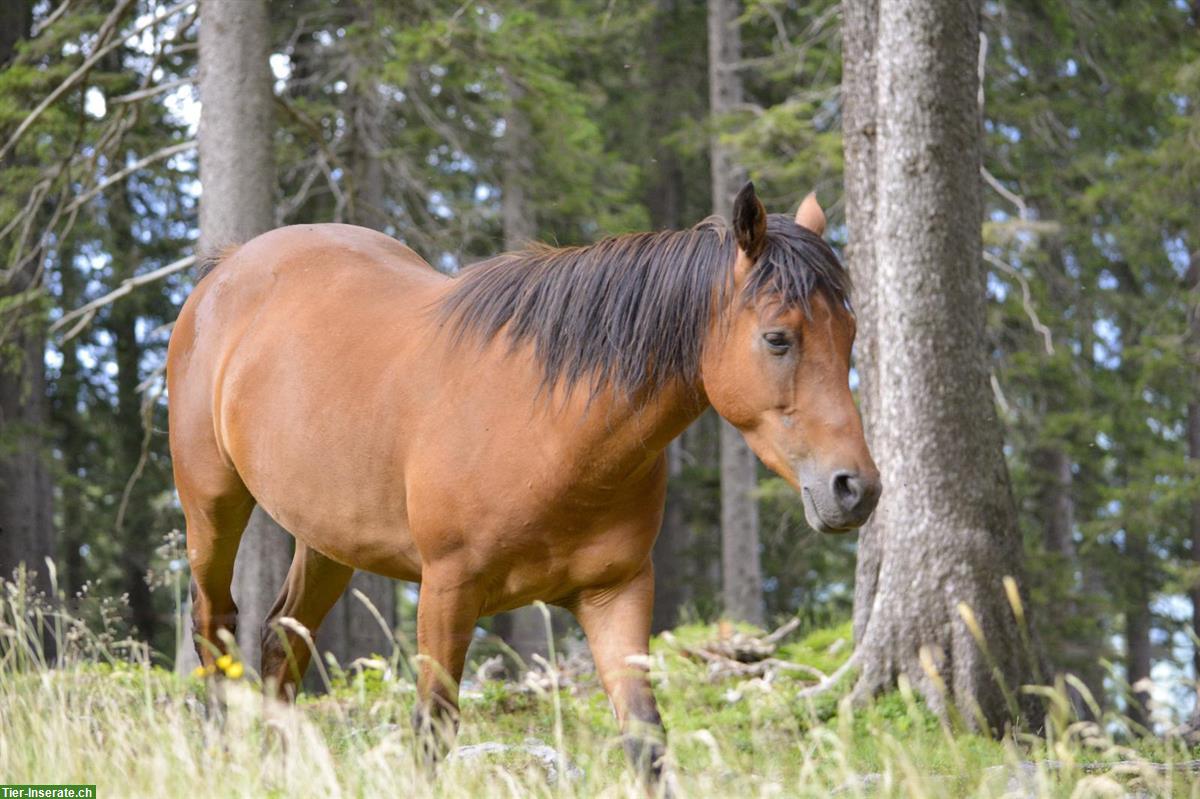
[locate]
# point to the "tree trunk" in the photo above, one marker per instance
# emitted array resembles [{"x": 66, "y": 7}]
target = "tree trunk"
[
  {"x": 1057, "y": 506},
  {"x": 26, "y": 496},
  {"x": 664, "y": 202},
  {"x": 859, "y": 124},
  {"x": 237, "y": 174},
  {"x": 26, "y": 521},
  {"x": 73, "y": 438},
  {"x": 1193, "y": 448},
  {"x": 741, "y": 572},
  {"x": 1137, "y": 626},
  {"x": 945, "y": 533},
  {"x": 16, "y": 20},
  {"x": 350, "y": 630}
]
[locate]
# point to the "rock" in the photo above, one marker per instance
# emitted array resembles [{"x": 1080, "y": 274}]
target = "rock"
[{"x": 547, "y": 757}]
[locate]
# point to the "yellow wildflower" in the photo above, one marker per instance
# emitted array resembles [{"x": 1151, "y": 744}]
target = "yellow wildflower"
[
  {"x": 224, "y": 662},
  {"x": 234, "y": 671}
]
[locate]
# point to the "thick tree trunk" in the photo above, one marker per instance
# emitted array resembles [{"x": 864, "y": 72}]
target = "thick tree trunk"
[
  {"x": 237, "y": 175},
  {"x": 945, "y": 534},
  {"x": 26, "y": 497},
  {"x": 859, "y": 123},
  {"x": 350, "y": 630},
  {"x": 665, "y": 203},
  {"x": 741, "y": 572}
]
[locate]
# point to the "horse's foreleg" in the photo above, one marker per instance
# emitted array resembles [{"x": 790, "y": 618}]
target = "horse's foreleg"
[
  {"x": 446, "y": 616},
  {"x": 617, "y": 623},
  {"x": 314, "y": 584}
]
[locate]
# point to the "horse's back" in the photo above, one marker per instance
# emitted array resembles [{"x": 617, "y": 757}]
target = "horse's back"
[
  {"x": 298, "y": 281},
  {"x": 319, "y": 253}
]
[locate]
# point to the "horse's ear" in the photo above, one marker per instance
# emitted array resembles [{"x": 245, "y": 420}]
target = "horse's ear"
[
  {"x": 749, "y": 222},
  {"x": 809, "y": 214}
]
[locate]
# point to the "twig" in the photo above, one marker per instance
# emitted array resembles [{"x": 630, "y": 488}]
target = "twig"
[
  {"x": 1003, "y": 191},
  {"x": 50, "y": 20},
  {"x": 85, "y": 313},
  {"x": 78, "y": 74},
  {"x": 161, "y": 155},
  {"x": 1026, "y": 299},
  {"x": 830, "y": 681},
  {"x": 150, "y": 91}
]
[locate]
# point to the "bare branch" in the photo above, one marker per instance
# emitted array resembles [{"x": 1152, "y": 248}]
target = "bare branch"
[
  {"x": 50, "y": 20},
  {"x": 87, "y": 312},
  {"x": 160, "y": 155},
  {"x": 86, "y": 66},
  {"x": 1026, "y": 299},
  {"x": 830, "y": 681},
  {"x": 151, "y": 91},
  {"x": 1003, "y": 191}
]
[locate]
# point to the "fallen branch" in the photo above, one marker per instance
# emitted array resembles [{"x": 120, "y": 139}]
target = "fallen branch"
[{"x": 830, "y": 681}]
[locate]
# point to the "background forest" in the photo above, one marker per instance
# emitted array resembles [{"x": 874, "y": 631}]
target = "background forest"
[{"x": 464, "y": 129}]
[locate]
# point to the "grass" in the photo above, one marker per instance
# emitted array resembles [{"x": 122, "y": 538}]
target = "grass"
[{"x": 105, "y": 716}]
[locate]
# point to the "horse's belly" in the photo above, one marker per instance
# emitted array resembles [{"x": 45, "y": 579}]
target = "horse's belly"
[{"x": 357, "y": 536}]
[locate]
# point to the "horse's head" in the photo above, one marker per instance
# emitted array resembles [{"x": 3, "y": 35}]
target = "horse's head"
[{"x": 777, "y": 362}]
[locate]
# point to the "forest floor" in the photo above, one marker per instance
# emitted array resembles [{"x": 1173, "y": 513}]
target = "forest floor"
[{"x": 136, "y": 730}]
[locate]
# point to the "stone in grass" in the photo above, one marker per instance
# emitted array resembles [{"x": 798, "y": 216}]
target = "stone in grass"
[{"x": 546, "y": 756}]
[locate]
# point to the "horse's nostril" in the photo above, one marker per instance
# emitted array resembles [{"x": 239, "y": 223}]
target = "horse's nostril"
[{"x": 847, "y": 490}]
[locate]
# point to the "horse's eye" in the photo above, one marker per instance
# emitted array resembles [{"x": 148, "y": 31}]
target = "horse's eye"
[{"x": 778, "y": 343}]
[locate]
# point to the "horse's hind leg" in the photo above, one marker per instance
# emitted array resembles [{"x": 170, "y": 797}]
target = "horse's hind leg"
[
  {"x": 215, "y": 522},
  {"x": 314, "y": 584}
]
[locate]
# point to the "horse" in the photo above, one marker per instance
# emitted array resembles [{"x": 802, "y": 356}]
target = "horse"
[{"x": 499, "y": 436}]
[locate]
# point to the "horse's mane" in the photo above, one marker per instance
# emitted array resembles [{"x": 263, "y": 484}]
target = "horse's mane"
[
  {"x": 212, "y": 258},
  {"x": 632, "y": 312}
]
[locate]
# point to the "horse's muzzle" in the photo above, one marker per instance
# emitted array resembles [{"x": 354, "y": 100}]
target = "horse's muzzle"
[{"x": 842, "y": 501}]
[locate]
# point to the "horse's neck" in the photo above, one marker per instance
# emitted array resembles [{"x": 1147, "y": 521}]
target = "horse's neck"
[{"x": 629, "y": 431}]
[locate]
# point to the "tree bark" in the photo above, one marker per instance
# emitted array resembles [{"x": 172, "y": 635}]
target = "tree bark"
[
  {"x": 71, "y": 424},
  {"x": 16, "y": 21},
  {"x": 237, "y": 175},
  {"x": 1137, "y": 626},
  {"x": 26, "y": 496},
  {"x": 859, "y": 124},
  {"x": 665, "y": 202},
  {"x": 945, "y": 533},
  {"x": 741, "y": 572},
  {"x": 1193, "y": 448}
]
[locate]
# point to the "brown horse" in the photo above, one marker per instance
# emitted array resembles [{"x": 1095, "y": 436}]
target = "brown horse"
[{"x": 499, "y": 437}]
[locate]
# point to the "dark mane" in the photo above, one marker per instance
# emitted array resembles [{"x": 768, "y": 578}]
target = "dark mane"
[
  {"x": 212, "y": 258},
  {"x": 633, "y": 311}
]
